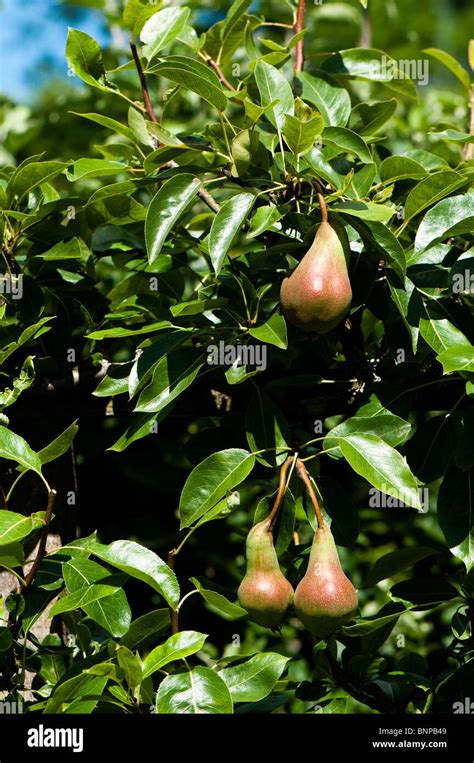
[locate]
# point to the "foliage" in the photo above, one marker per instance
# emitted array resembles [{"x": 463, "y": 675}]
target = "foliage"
[{"x": 140, "y": 312}]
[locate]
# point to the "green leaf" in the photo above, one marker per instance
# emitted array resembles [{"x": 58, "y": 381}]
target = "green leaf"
[
  {"x": 26, "y": 178},
  {"x": 262, "y": 219},
  {"x": 225, "y": 226},
  {"x": 300, "y": 135},
  {"x": 328, "y": 95},
  {"x": 93, "y": 168},
  {"x": 348, "y": 141},
  {"x": 457, "y": 358},
  {"x": 73, "y": 689},
  {"x": 400, "y": 168},
  {"x": 390, "y": 564},
  {"x": 194, "y": 76},
  {"x": 381, "y": 238},
  {"x": 198, "y": 306},
  {"x": 108, "y": 122},
  {"x": 234, "y": 15},
  {"x": 6, "y": 639},
  {"x": 84, "y": 58},
  {"x": 365, "y": 210},
  {"x": 273, "y": 86},
  {"x": 121, "y": 331},
  {"x": 143, "y": 424},
  {"x": 267, "y": 429},
  {"x": 368, "y": 626},
  {"x": 172, "y": 375},
  {"x": 371, "y": 65},
  {"x": 162, "y": 29},
  {"x": 210, "y": 480},
  {"x": 447, "y": 216},
  {"x": 144, "y": 366},
  {"x": 217, "y": 601},
  {"x": 454, "y": 66},
  {"x": 148, "y": 627},
  {"x": 74, "y": 249},
  {"x": 165, "y": 209},
  {"x": 11, "y": 554},
  {"x": 59, "y": 446},
  {"x": 273, "y": 331},
  {"x": 15, "y": 448},
  {"x": 83, "y": 597},
  {"x": 456, "y": 513},
  {"x": 366, "y": 119},
  {"x": 439, "y": 332},
  {"x": 382, "y": 466},
  {"x": 177, "y": 647},
  {"x": 431, "y": 189},
  {"x": 20, "y": 384},
  {"x": 113, "y": 612},
  {"x": 391, "y": 429},
  {"x": 139, "y": 562},
  {"x": 136, "y": 13},
  {"x": 199, "y": 691},
  {"x": 131, "y": 665},
  {"x": 254, "y": 679}
]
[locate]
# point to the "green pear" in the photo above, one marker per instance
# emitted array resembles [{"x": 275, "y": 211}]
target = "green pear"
[
  {"x": 317, "y": 294},
  {"x": 264, "y": 592},
  {"x": 325, "y": 598}
]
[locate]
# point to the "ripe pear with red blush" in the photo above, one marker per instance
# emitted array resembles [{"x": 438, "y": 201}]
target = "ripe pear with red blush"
[
  {"x": 317, "y": 294},
  {"x": 325, "y": 598},
  {"x": 264, "y": 592}
]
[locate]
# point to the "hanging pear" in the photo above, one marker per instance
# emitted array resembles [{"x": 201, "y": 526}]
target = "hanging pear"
[
  {"x": 317, "y": 294},
  {"x": 325, "y": 598},
  {"x": 264, "y": 592}
]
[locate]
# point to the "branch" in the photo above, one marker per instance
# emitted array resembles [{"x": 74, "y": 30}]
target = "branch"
[
  {"x": 42, "y": 543},
  {"x": 214, "y": 65},
  {"x": 143, "y": 81},
  {"x": 202, "y": 193},
  {"x": 299, "y": 25},
  {"x": 469, "y": 148},
  {"x": 303, "y": 475},
  {"x": 173, "y": 612}
]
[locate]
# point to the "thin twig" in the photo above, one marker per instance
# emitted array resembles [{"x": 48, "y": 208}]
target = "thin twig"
[
  {"x": 299, "y": 26},
  {"x": 173, "y": 612},
  {"x": 469, "y": 148},
  {"x": 304, "y": 475},
  {"x": 143, "y": 82},
  {"x": 204, "y": 195},
  {"x": 42, "y": 542},
  {"x": 281, "y": 487},
  {"x": 214, "y": 65}
]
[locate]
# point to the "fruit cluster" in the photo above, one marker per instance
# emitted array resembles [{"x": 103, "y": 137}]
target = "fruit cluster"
[{"x": 324, "y": 599}]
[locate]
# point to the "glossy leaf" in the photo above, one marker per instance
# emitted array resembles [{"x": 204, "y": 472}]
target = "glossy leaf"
[{"x": 210, "y": 480}]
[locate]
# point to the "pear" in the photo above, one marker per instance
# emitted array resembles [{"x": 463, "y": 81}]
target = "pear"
[
  {"x": 325, "y": 598},
  {"x": 317, "y": 294},
  {"x": 264, "y": 592}
]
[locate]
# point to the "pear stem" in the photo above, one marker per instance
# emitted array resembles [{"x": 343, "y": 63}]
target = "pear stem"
[
  {"x": 303, "y": 475},
  {"x": 281, "y": 487},
  {"x": 323, "y": 207}
]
